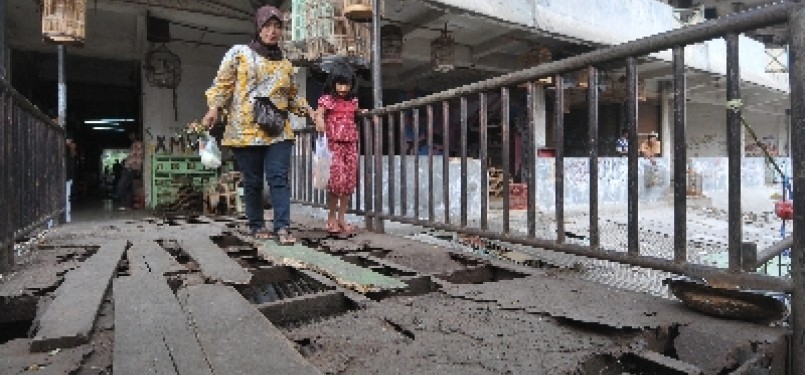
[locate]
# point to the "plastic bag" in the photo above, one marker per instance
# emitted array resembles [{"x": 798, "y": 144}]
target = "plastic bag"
[
  {"x": 209, "y": 151},
  {"x": 321, "y": 163}
]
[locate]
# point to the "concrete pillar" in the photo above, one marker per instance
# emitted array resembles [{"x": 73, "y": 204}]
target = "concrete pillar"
[
  {"x": 300, "y": 80},
  {"x": 539, "y": 116},
  {"x": 3, "y": 52},
  {"x": 666, "y": 124}
]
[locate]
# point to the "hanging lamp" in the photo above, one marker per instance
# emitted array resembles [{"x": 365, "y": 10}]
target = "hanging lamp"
[
  {"x": 443, "y": 52},
  {"x": 64, "y": 21}
]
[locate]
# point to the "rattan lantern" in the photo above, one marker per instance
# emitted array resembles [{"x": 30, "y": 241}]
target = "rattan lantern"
[
  {"x": 64, "y": 21},
  {"x": 391, "y": 40},
  {"x": 443, "y": 52},
  {"x": 330, "y": 33},
  {"x": 358, "y": 10}
]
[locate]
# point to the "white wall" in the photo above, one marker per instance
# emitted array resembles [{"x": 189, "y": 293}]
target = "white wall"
[{"x": 707, "y": 130}]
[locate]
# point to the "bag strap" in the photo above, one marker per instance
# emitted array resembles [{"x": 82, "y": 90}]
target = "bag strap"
[{"x": 273, "y": 77}]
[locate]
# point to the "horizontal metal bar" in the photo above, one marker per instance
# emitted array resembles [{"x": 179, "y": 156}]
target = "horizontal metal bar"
[
  {"x": 26, "y": 105},
  {"x": 735, "y": 23},
  {"x": 324, "y": 206},
  {"x": 746, "y": 280},
  {"x": 772, "y": 251}
]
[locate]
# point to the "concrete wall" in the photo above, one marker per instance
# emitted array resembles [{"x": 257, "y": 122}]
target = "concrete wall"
[{"x": 473, "y": 187}]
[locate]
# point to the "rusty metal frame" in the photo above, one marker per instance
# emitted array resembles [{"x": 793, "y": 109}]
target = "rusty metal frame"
[
  {"x": 779, "y": 13},
  {"x": 32, "y": 182}
]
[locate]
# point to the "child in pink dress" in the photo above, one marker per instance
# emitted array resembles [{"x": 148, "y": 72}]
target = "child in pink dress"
[{"x": 336, "y": 117}]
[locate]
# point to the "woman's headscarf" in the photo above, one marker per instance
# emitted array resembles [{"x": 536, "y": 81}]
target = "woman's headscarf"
[{"x": 269, "y": 51}]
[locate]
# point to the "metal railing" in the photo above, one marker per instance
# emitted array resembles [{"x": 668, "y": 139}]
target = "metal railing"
[
  {"x": 385, "y": 122},
  {"x": 32, "y": 171}
]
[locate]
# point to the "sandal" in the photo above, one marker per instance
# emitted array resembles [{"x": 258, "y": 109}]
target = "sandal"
[
  {"x": 262, "y": 234},
  {"x": 348, "y": 228},
  {"x": 285, "y": 238},
  {"x": 332, "y": 228}
]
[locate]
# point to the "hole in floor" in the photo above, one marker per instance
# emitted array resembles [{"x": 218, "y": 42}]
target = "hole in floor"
[
  {"x": 174, "y": 249},
  {"x": 14, "y": 330},
  {"x": 228, "y": 240},
  {"x": 382, "y": 269},
  {"x": 287, "y": 283},
  {"x": 123, "y": 268},
  {"x": 480, "y": 274}
]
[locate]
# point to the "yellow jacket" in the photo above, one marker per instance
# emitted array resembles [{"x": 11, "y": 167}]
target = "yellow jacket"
[{"x": 242, "y": 76}]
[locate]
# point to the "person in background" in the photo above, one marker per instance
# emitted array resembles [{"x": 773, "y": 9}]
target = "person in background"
[
  {"x": 70, "y": 153},
  {"x": 259, "y": 69},
  {"x": 650, "y": 148},
  {"x": 622, "y": 144},
  {"x": 132, "y": 168}
]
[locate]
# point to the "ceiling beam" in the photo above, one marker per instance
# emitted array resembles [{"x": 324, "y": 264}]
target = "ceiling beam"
[
  {"x": 495, "y": 44},
  {"x": 420, "y": 21}
]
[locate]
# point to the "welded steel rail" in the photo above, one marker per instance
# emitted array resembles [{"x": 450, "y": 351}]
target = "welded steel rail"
[
  {"x": 377, "y": 193},
  {"x": 32, "y": 171}
]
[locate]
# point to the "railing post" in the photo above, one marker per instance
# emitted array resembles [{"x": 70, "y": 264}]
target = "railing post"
[
  {"x": 633, "y": 203},
  {"x": 796, "y": 71},
  {"x": 680, "y": 157},
  {"x": 734, "y": 154},
  {"x": 378, "y": 170}
]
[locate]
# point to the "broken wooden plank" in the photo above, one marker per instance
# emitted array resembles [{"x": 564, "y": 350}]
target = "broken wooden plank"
[
  {"x": 309, "y": 306},
  {"x": 236, "y": 337},
  {"x": 669, "y": 363},
  {"x": 16, "y": 359},
  {"x": 347, "y": 274},
  {"x": 215, "y": 264},
  {"x": 147, "y": 256},
  {"x": 69, "y": 319},
  {"x": 152, "y": 334}
]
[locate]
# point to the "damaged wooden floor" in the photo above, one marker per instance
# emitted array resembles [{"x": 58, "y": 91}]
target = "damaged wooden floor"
[{"x": 194, "y": 296}]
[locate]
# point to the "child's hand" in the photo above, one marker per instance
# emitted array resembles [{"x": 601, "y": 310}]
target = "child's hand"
[{"x": 320, "y": 126}]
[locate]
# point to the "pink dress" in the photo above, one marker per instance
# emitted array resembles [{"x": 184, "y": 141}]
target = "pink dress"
[{"x": 342, "y": 138}]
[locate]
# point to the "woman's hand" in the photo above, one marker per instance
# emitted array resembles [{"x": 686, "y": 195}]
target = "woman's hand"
[{"x": 210, "y": 117}]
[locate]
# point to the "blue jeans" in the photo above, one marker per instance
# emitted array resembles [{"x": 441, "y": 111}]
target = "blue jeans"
[{"x": 255, "y": 162}]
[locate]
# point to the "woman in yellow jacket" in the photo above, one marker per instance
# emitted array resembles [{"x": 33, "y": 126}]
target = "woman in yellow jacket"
[{"x": 259, "y": 70}]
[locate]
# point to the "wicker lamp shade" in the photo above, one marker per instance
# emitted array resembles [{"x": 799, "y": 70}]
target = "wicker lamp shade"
[
  {"x": 358, "y": 10},
  {"x": 443, "y": 52},
  {"x": 64, "y": 21},
  {"x": 391, "y": 42}
]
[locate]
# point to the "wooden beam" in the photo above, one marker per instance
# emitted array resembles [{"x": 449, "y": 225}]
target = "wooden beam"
[
  {"x": 69, "y": 319},
  {"x": 237, "y": 338},
  {"x": 212, "y": 260},
  {"x": 152, "y": 334},
  {"x": 147, "y": 256}
]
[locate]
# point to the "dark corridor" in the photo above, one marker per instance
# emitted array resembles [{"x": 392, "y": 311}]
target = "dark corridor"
[{"x": 103, "y": 106}]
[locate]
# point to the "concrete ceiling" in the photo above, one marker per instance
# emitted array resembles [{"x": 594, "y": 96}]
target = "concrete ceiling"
[{"x": 777, "y": 35}]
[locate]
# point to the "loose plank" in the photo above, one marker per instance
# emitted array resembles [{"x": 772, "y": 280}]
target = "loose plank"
[
  {"x": 152, "y": 334},
  {"x": 213, "y": 261},
  {"x": 345, "y": 273},
  {"x": 236, "y": 337},
  {"x": 69, "y": 319},
  {"x": 147, "y": 256}
]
